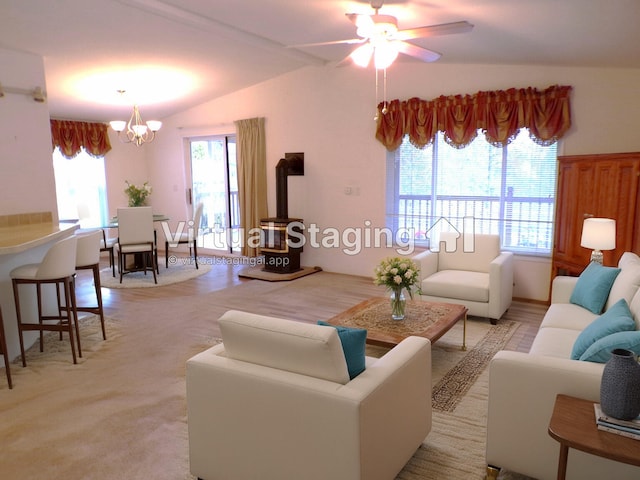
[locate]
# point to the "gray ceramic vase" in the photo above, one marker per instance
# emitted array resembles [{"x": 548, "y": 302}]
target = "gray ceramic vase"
[{"x": 620, "y": 387}]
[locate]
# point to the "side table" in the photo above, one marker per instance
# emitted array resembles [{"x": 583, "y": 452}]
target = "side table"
[{"x": 573, "y": 424}]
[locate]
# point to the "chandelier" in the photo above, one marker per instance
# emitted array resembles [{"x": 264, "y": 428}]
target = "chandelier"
[{"x": 135, "y": 130}]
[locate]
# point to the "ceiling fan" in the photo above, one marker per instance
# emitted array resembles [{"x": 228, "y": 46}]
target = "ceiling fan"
[{"x": 380, "y": 39}]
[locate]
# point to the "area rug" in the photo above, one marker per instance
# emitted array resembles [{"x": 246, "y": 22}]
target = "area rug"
[
  {"x": 176, "y": 273},
  {"x": 455, "y": 447}
]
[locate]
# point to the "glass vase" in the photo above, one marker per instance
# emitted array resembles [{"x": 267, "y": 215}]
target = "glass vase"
[{"x": 398, "y": 304}]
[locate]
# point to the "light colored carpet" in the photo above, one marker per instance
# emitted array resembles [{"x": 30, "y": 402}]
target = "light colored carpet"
[
  {"x": 121, "y": 412},
  {"x": 174, "y": 274}
]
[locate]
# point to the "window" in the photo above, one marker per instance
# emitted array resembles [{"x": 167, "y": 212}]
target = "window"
[
  {"x": 81, "y": 188},
  {"x": 505, "y": 190}
]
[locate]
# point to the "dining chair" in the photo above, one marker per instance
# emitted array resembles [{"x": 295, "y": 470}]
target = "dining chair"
[
  {"x": 5, "y": 354},
  {"x": 88, "y": 258},
  {"x": 107, "y": 245},
  {"x": 57, "y": 268},
  {"x": 136, "y": 238},
  {"x": 189, "y": 237}
]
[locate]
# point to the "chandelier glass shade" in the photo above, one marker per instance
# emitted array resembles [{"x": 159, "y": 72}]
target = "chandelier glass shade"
[{"x": 135, "y": 130}]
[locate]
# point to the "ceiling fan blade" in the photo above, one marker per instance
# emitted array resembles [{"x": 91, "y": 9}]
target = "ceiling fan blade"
[
  {"x": 351, "y": 41},
  {"x": 418, "y": 52},
  {"x": 344, "y": 62},
  {"x": 434, "y": 30}
]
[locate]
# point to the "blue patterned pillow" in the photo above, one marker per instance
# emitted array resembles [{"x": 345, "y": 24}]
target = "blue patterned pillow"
[
  {"x": 617, "y": 318},
  {"x": 353, "y": 344},
  {"x": 593, "y": 287}
]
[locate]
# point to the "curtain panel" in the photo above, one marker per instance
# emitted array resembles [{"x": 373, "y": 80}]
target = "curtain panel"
[
  {"x": 499, "y": 114},
  {"x": 71, "y": 136},
  {"x": 252, "y": 177}
]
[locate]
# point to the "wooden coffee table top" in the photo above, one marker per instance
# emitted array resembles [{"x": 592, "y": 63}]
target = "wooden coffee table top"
[{"x": 423, "y": 319}]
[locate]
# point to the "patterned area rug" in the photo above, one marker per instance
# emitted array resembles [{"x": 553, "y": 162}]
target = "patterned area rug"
[
  {"x": 454, "y": 385},
  {"x": 454, "y": 371}
]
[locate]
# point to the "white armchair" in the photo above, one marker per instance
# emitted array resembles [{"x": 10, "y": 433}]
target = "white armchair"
[
  {"x": 468, "y": 271},
  {"x": 248, "y": 420}
]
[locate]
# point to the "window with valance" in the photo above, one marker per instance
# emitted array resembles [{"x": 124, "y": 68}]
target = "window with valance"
[
  {"x": 498, "y": 114},
  {"x": 71, "y": 137},
  {"x": 441, "y": 172}
]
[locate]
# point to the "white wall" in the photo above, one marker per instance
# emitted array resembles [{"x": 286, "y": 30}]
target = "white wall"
[
  {"x": 26, "y": 167},
  {"x": 125, "y": 161},
  {"x": 327, "y": 113}
]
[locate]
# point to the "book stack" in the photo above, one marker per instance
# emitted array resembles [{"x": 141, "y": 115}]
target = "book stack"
[{"x": 626, "y": 428}]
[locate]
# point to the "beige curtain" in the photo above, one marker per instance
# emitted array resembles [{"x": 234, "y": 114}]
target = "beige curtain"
[{"x": 252, "y": 178}]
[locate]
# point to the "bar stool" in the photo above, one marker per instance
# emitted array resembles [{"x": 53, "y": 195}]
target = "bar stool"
[
  {"x": 57, "y": 268},
  {"x": 5, "y": 354},
  {"x": 88, "y": 258}
]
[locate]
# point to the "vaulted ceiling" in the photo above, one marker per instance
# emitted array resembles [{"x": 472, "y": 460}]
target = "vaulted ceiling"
[{"x": 170, "y": 55}]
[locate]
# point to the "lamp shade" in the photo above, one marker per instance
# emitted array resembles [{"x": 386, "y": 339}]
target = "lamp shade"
[{"x": 599, "y": 234}]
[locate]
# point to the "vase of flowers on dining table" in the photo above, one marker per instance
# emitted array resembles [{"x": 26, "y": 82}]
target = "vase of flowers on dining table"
[{"x": 137, "y": 195}]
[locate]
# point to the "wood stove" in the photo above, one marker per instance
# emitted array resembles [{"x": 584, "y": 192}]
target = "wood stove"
[{"x": 280, "y": 232}]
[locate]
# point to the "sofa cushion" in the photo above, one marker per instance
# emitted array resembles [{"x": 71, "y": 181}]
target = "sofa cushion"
[
  {"x": 600, "y": 351},
  {"x": 567, "y": 315},
  {"x": 593, "y": 287},
  {"x": 615, "y": 319},
  {"x": 628, "y": 280},
  {"x": 297, "y": 347},
  {"x": 353, "y": 344},
  {"x": 554, "y": 342},
  {"x": 464, "y": 285}
]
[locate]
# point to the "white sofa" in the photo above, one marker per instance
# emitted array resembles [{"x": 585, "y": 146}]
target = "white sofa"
[
  {"x": 523, "y": 387},
  {"x": 301, "y": 417},
  {"x": 470, "y": 271}
]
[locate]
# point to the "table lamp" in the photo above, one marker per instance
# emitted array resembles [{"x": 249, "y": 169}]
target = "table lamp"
[{"x": 598, "y": 234}]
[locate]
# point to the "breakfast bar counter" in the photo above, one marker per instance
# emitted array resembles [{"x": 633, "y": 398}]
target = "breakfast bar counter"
[
  {"x": 20, "y": 238},
  {"x": 23, "y": 241}
]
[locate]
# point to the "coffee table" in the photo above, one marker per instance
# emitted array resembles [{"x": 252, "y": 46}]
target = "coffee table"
[{"x": 423, "y": 319}]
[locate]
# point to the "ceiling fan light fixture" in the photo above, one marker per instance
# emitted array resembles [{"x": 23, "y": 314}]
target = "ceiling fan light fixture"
[
  {"x": 384, "y": 25},
  {"x": 361, "y": 56},
  {"x": 385, "y": 53}
]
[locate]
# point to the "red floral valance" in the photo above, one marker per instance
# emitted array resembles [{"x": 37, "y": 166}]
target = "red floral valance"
[
  {"x": 71, "y": 136},
  {"x": 499, "y": 114}
]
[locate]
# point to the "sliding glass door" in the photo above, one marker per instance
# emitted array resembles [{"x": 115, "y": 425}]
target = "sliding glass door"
[{"x": 214, "y": 181}]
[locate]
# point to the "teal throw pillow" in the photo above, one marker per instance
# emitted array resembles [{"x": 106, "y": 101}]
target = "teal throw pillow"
[
  {"x": 353, "y": 344},
  {"x": 617, "y": 318},
  {"x": 600, "y": 352},
  {"x": 593, "y": 287}
]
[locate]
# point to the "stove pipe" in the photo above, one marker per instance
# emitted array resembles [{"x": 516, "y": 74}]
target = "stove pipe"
[{"x": 291, "y": 164}]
